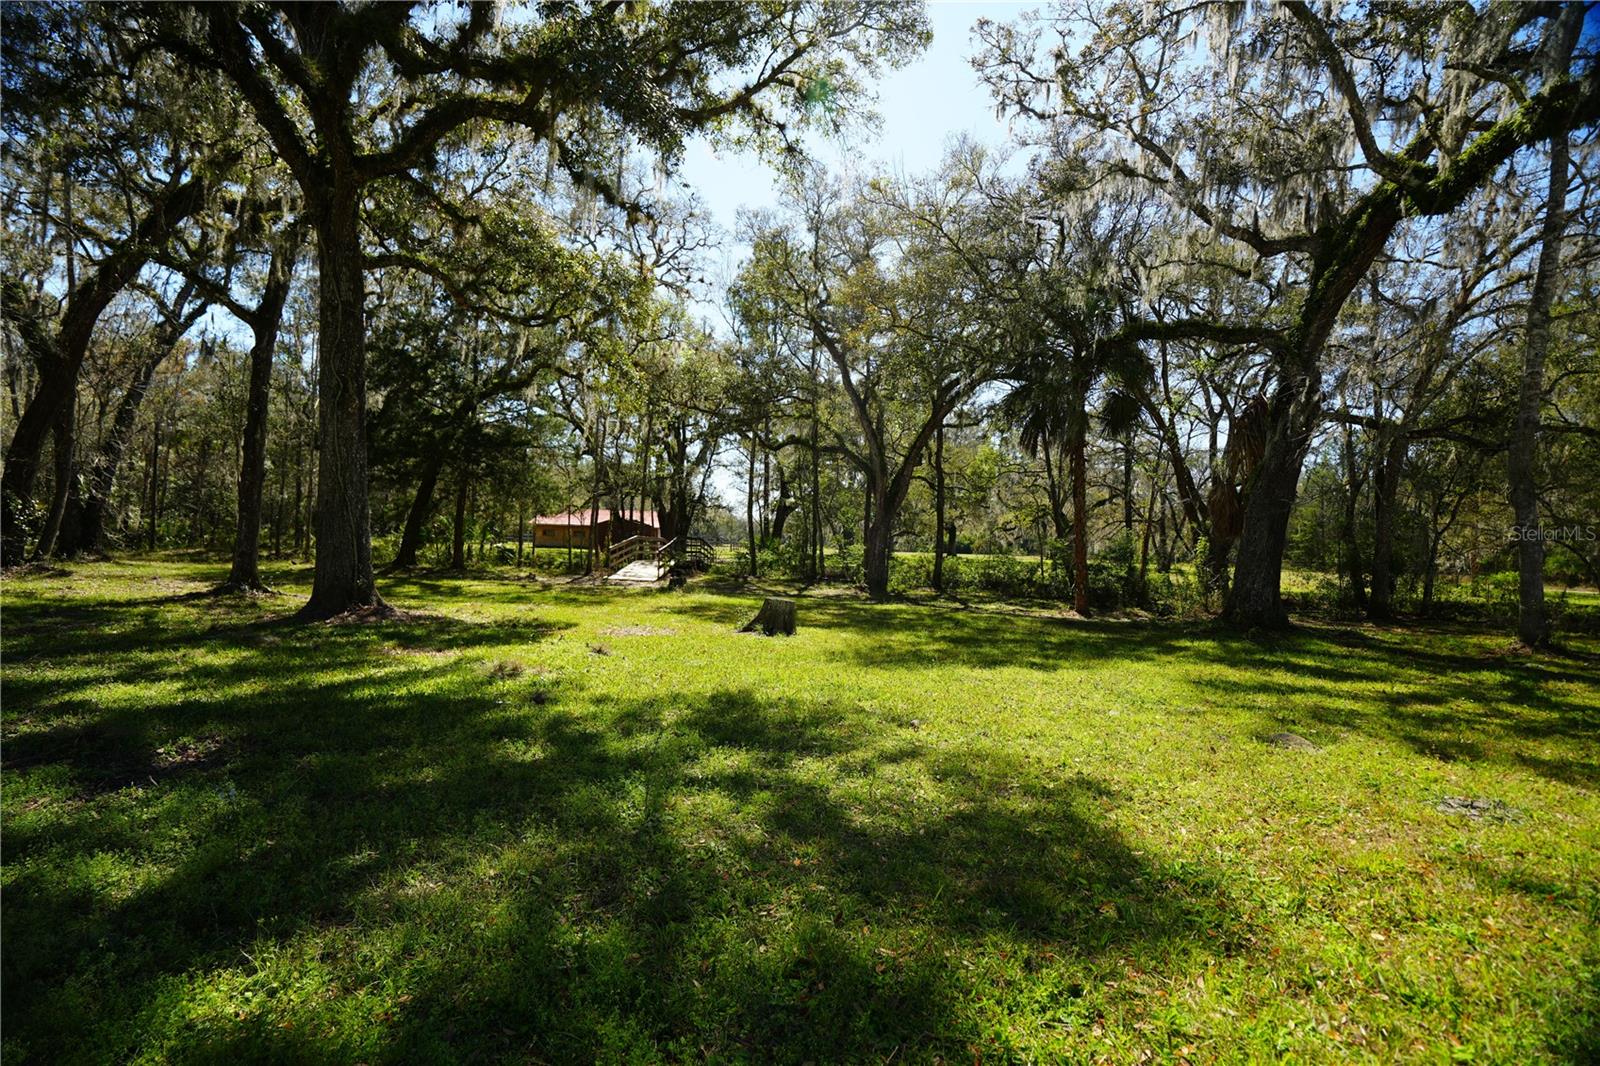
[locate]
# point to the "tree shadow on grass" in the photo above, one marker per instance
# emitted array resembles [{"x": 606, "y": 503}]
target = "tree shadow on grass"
[
  {"x": 1401, "y": 685},
  {"x": 710, "y": 875},
  {"x": 741, "y": 938},
  {"x": 910, "y": 636},
  {"x": 719, "y": 875},
  {"x": 142, "y": 644},
  {"x": 1444, "y": 705}
]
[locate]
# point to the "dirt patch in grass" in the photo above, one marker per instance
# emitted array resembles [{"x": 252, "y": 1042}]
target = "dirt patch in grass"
[
  {"x": 190, "y": 752},
  {"x": 1479, "y": 807}
]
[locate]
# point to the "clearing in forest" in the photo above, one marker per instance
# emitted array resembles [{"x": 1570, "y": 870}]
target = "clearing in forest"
[{"x": 908, "y": 831}]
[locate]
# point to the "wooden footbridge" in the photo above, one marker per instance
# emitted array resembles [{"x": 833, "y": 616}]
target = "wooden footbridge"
[{"x": 646, "y": 559}]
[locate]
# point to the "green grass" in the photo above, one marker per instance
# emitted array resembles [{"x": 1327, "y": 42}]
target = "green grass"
[{"x": 574, "y": 824}]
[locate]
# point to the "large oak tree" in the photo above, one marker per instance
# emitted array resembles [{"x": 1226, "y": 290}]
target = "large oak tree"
[
  {"x": 354, "y": 95},
  {"x": 1307, "y": 140}
]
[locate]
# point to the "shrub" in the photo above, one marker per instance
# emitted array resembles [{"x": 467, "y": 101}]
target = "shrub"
[
  {"x": 914, "y": 572},
  {"x": 848, "y": 563},
  {"x": 1174, "y": 594}
]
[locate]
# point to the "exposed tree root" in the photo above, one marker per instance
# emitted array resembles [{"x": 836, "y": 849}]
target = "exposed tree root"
[{"x": 245, "y": 588}]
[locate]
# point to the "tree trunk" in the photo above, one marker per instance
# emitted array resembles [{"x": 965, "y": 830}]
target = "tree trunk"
[
  {"x": 1533, "y": 626},
  {"x": 1194, "y": 508},
  {"x": 815, "y": 562},
  {"x": 155, "y": 484},
  {"x": 58, "y": 351},
  {"x": 458, "y": 536},
  {"x": 417, "y": 514},
  {"x": 1127, "y": 484},
  {"x": 64, "y": 475},
  {"x": 878, "y": 546},
  {"x": 1385, "y": 492},
  {"x": 199, "y": 513},
  {"x": 1052, "y": 490},
  {"x": 343, "y": 578},
  {"x": 522, "y": 525},
  {"x": 299, "y": 496},
  {"x": 938, "y": 508},
  {"x": 766, "y": 485},
  {"x": 483, "y": 529},
  {"x": 1080, "y": 521},
  {"x": 91, "y": 533},
  {"x": 1216, "y": 563},
  {"x": 1127, "y": 511},
  {"x": 866, "y": 511},
  {"x": 644, "y": 462},
  {"x": 1254, "y": 598},
  {"x": 884, "y": 494},
  {"x": 1350, "y": 532},
  {"x": 1430, "y": 574},
  {"x": 593, "y": 557},
  {"x": 246, "y": 570},
  {"x": 1149, "y": 521},
  {"x": 280, "y": 501},
  {"x": 782, "y": 510},
  {"x": 750, "y": 505},
  {"x": 103, "y": 475}
]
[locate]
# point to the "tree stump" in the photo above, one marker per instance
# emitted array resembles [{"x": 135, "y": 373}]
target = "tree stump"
[{"x": 776, "y": 616}]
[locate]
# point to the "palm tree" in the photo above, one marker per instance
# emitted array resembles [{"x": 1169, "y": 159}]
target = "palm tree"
[{"x": 1053, "y": 383}]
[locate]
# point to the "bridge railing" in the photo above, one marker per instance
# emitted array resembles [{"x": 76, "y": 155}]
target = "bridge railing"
[
  {"x": 699, "y": 553},
  {"x": 623, "y": 552},
  {"x": 694, "y": 552}
]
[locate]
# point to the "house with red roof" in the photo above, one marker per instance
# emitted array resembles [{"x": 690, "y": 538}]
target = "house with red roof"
[{"x": 580, "y": 529}]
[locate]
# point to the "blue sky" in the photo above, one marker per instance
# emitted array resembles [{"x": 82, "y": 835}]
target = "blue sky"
[{"x": 923, "y": 106}]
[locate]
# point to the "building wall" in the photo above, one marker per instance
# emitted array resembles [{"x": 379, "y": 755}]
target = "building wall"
[{"x": 558, "y": 536}]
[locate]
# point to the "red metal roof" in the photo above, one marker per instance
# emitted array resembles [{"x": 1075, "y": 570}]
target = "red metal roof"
[{"x": 581, "y": 518}]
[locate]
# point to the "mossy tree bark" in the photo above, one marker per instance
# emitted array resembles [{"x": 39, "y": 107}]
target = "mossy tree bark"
[
  {"x": 1533, "y": 625},
  {"x": 1341, "y": 248},
  {"x": 343, "y": 579},
  {"x": 264, "y": 322},
  {"x": 887, "y": 481}
]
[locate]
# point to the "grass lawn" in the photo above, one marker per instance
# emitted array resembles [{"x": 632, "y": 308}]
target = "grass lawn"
[{"x": 541, "y": 823}]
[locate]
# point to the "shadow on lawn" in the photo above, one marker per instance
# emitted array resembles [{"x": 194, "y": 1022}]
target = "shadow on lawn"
[
  {"x": 716, "y": 875},
  {"x": 1453, "y": 707},
  {"x": 629, "y": 935},
  {"x": 910, "y": 636},
  {"x": 721, "y": 875},
  {"x": 1446, "y": 705}
]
